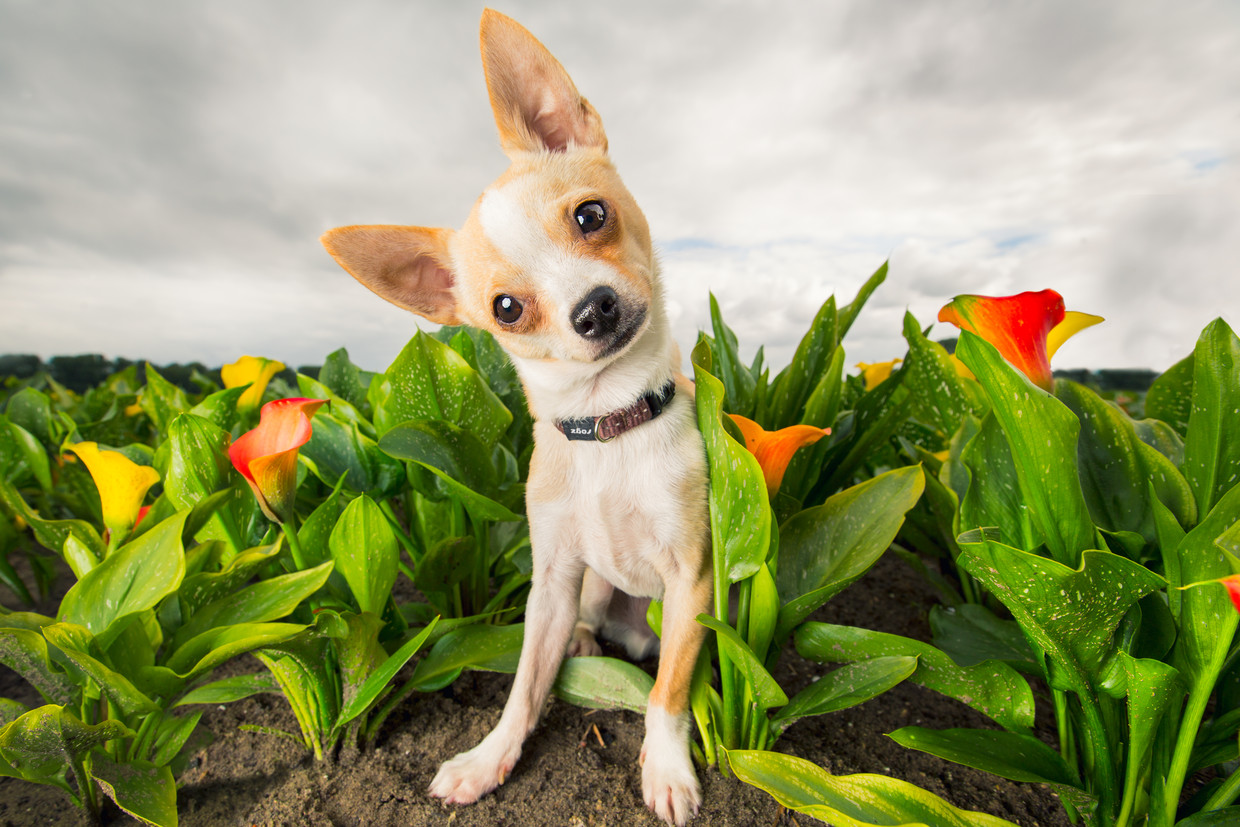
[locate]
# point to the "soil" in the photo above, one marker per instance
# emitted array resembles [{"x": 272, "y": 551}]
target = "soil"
[{"x": 579, "y": 767}]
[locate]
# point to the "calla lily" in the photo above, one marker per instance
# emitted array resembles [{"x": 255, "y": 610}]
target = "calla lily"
[
  {"x": 876, "y": 373},
  {"x": 267, "y": 455},
  {"x": 122, "y": 484},
  {"x": 1233, "y": 589},
  {"x": 254, "y": 371},
  {"x": 774, "y": 449},
  {"x": 1026, "y": 328}
]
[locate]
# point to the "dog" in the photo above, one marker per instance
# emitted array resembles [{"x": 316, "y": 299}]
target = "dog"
[{"x": 556, "y": 261}]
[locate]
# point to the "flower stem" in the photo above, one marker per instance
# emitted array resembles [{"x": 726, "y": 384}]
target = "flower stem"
[{"x": 289, "y": 527}]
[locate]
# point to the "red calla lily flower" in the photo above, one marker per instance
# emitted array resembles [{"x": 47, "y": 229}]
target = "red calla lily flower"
[
  {"x": 1233, "y": 589},
  {"x": 774, "y": 449},
  {"x": 1019, "y": 327},
  {"x": 267, "y": 455}
]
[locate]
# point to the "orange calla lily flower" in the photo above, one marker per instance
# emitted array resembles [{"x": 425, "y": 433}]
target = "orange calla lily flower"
[
  {"x": 254, "y": 371},
  {"x": 876, "y": 373},
  {"x": 267, "y": 455},
  {"x": 1026, "y": 328},
  {"x": 122, "y": 484},
  {"x": 774, "y": 449}
]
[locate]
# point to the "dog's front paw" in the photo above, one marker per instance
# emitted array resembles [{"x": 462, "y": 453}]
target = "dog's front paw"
[
  {"x": 669, "y": 785},
  {"x": 473, "y": 774}
]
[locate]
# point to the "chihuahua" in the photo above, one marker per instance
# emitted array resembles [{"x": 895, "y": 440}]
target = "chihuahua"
[{"x": 555, "y": 260}]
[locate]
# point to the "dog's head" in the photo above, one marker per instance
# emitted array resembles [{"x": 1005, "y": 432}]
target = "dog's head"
[{"x": 555, "y": 258}]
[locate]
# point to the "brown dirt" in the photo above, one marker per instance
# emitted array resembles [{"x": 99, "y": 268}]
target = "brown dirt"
[{"x": 565, "y": 776}]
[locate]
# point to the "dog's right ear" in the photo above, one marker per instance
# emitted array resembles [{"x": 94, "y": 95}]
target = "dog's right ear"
[
  {"x": 408, "y": 266},
  {"x": 535, "y": 103}
]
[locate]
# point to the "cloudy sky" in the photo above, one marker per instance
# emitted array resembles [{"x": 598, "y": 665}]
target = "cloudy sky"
[{"x": 167, "y": 167}]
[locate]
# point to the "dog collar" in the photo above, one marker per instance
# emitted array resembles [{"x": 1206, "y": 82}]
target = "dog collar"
[{"x": 607, "y": 427}]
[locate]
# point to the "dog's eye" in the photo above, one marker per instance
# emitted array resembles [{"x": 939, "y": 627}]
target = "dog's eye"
[
  {"x": 591, "y": 216},
  {"x": 507, "y": 309}
]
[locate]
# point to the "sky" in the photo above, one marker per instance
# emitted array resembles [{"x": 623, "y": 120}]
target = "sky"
[{"x": 166, "y": 168}]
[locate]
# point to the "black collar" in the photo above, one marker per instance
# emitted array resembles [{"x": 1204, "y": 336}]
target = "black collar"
[{"x": 607, "y": 427}]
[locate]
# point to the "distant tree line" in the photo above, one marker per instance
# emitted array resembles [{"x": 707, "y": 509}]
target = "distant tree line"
[{"x": 85, "y": 371}]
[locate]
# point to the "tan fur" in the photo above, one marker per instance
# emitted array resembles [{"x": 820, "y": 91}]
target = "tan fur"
[{"x": 611, "y": 524}]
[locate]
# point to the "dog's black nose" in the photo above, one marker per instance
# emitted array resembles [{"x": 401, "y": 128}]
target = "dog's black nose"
[{"x": 598, "y": 314}]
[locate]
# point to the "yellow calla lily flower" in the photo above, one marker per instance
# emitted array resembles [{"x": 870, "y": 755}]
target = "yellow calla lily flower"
[
  {"x": 122, "y": 484},
  {"x": 1073, "y": 323},
  {"x": 876, "y": 373},
  {"x": 254, "y": 371}
]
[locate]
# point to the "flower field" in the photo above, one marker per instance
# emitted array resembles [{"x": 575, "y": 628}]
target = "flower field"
[{"x": 359, "y": 541}]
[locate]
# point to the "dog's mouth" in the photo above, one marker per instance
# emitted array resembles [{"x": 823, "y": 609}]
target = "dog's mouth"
[{"x": 624, "y": 335}]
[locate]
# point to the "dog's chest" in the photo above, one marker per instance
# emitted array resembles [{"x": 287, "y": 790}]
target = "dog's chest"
[{"x": 626, "y": 508}]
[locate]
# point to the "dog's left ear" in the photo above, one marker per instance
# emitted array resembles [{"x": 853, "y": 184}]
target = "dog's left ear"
[
  {"x": 536, "y": 105},
  {"x": 408, "y": 266}
]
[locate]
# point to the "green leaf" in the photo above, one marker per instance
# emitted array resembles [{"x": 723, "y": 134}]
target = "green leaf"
[
  {"x": 1070, "y": 614},
  {"x": 824, "y": 549},
  {"x": 198, "y": 460},
  {"x": 857, "y": 800},
  {"x": 823, "y": 405},
  {"x": 161, "y": 400},
  {"x": 1010, "y": 755},
  {"x": 491, "y": 648},
  {"x": 197, "y": 590},
  {"x": 366, "y": 553},
  {"x": 992, "y": 688},
  {"x": 938, "y": 391},
  {"x": 767, "y": 694},
  {"x": 31, "y": 409},
  {"x": 1151, "y": 687},
  {"x": 1211, "y": 451},
  {"x": 1117, "y": 468},
  {"x": 227, "y": 690},
  {"x": 795, "y": 385},
  {"x": 1206, "y": 619},
  {"x": 971, "y": 634},
  {"x": 993, "y": 498},
  {"x": 603, "y": 683},
  {"x": 342, "y": 378},
  {"x": 848, "y": 686},
  {"x": 43, "y": 744},
  {"x": 457, "y": 458},
  {"x": 848, "y": 314},
  {"x": 145, "y": 791},
  {"x": 1222, "y": 817},
  {"x": 74, "y": 642},
  {"x": 215, "y": 646},
  {"x": 52, "y": 534},
  {"x": 1170, "y": 398},
  {"x": 28, "y": 449},
  {"x": 738, "y": 382},
  {"x": 447, "y": 563},
  {"x": 340, "y": 448},
  {"x": 24, "y": 650},
  {"x": 740, "y": 516},
  {"x": 429, "y": 380},
  {"x": 1042, "y": 434},
  {"x": 135, "y": 578},
  {"x": 378, "y": 681},
  {"x": 259, "y": 602}
]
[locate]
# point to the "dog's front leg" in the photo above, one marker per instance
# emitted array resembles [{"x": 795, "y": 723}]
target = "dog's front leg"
[
  {"x": 549, "y": 618},
  {"x": 669, "y": 784}
]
